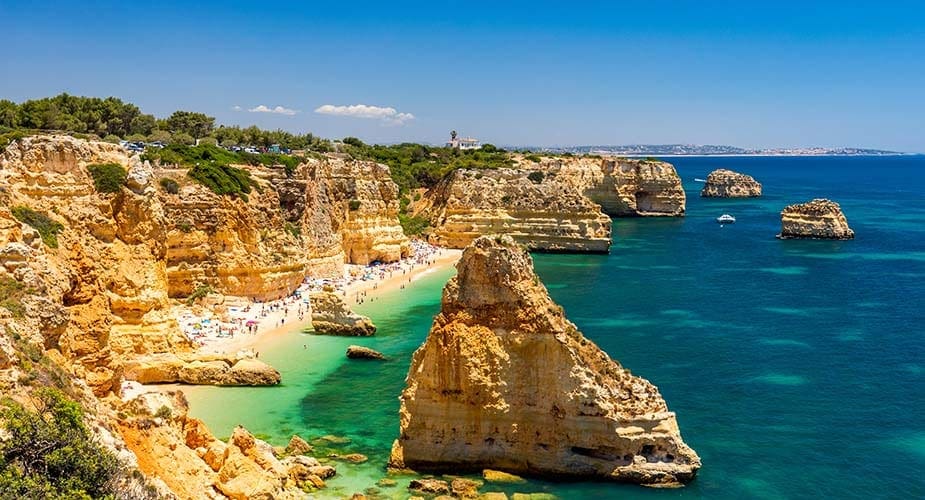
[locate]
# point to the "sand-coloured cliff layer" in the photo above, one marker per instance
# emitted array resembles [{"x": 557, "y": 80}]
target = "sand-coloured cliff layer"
[
  {"x": 505, "y": 381},
  {"x": 309, "y": 222},
  {"x": 816, "y": 219},
  {"x": 724, "y": 183},
  {"x": 538, "y": 212},
  {"x": 100, "y": 295}
]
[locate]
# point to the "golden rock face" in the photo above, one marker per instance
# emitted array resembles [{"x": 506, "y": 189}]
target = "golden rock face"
[
  {"x": 816, "y": 219},
  {"x": 724, "y": 183},
  {"x": 102, "y": 296},
  {"x": 505, "y": 381},
  {"x": 556, "y": 204}
]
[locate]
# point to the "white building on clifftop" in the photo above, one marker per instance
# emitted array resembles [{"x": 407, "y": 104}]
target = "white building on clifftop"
[{"x": 463, "y": 142}]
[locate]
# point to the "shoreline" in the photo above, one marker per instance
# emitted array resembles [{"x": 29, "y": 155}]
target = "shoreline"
[{"x": 354, "y": 293}]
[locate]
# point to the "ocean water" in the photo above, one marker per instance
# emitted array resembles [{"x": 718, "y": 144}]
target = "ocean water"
[{"x": 796, "y": 368}]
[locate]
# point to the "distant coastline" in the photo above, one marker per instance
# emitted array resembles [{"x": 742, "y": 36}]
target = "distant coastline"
[{"x": 674, "y": 150}]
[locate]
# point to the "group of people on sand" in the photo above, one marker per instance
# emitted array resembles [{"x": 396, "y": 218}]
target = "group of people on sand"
[{"x": 252, "y": 318}]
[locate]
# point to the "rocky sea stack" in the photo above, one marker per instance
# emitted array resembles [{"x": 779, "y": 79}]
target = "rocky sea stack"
[
  {"x": 505, "y": 381},
  {"x": 818, "y": 219},
  {"x": 332, "y": 316},
  {"x": 724, "y": 183}
]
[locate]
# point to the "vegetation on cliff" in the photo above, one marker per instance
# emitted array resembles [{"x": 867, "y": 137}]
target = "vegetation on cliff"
[
  {"x": 179, "y": 154},
  {"x": 416, "y": 165},
  {"x": 223, "y": 179},
  {"x": 107, "y": 177},
  {"x": 49, "y": 452},
  {"x": 47, "y": 227},
  {"x": 114, "y": 119}
]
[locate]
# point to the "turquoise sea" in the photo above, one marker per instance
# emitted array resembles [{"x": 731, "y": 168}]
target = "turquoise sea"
[{"x": 796, "y": 368}]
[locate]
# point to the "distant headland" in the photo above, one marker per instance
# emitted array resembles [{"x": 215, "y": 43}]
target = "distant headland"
[{"x": 712, "y": 150}]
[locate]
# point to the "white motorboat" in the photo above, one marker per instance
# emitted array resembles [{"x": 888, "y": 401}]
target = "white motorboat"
[{"x": 726, "y": 219}]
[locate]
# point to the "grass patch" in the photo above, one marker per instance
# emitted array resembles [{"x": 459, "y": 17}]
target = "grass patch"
[
  {"x": 107, "y": 177},
  {"x": 354, "y": 205},
  {"x": 223, "y": 179},
  {"x": 294, "y": 229},
  {"x": 47, "y": 228},
  {"x": 413, "y": 225},
  {"x": 200, "y": 292},
  {"x": 169, "y": 185},
  {"x": 11, "y": 294}
]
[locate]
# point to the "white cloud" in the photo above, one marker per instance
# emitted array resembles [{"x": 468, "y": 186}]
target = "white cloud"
[
  {"x": 387, "y": 115},
  {"x": 279, "y": 110},
  {"x": 236, "y": 108}
]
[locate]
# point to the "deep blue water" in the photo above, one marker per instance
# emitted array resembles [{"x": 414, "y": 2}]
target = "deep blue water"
[{"x": 795, "y": 367}]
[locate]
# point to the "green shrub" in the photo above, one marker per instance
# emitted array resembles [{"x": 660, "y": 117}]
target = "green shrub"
[
  {"x": 11, "y": 294},
  {"x": 50, "y": 453},
  {"x": 354, "y": 205},
  {"x": 293, "y": 229},
  {"x": 536, "y": 177},
  {"x": 506, "y": 198},
  {"x": 164, "y": 412},
  {"x": 200, "y": 292},
  {"x": 533, "y": 158},
  {"x": 107, "y": 177},
  {"x": 223, "y": 179},
  {"x": 413, "y": 225},
  {"x": 111, "y": 138},
  {"x": 169, "y": 185},
  {"x": 47, "y": 228},
  {"x": 185, "y": 227}
]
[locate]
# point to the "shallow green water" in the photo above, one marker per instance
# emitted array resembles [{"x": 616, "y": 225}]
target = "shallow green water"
[{"x": 795, "y": 367}]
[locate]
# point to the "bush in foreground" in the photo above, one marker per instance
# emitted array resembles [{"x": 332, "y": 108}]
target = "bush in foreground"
[{"x": 50, "y": 453}]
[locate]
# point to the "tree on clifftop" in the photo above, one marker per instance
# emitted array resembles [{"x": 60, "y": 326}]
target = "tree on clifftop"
[{"x": 195, "y": 124}]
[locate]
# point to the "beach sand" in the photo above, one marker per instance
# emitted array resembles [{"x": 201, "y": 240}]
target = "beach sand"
[{"x": 269, "y": 326}]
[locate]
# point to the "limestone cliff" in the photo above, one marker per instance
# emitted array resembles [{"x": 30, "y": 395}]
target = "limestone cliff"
[
  {"x": 724, "y": 183},
  {"x": 816, "y": 219},
  {"x": 98, "y": 293},
  {"x": 505, "y": 381},
  {"x": 538, "y": 212},
  {"x": 327, "y": 212},
  {"x": 551, "y": 203},
  {"x": 332, "y": 316}
]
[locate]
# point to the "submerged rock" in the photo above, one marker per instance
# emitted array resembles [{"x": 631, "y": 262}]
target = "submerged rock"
[
  {"x": 330, "y": 315},
  {"x": 505, "y": 381},
  {"x": 724, "y": 183},
  {"x": 429, "y": 486},
  {"x": 817, "y": 219},
  {"x": 360, "y": 352},
  {"x": 496, "y": 476}
]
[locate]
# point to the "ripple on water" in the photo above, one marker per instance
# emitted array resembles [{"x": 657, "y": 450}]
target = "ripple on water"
[
  {"x": 780, "y": 379},
  {"x": 785, "y": 270},
  {"x": 784, "y": 343}
]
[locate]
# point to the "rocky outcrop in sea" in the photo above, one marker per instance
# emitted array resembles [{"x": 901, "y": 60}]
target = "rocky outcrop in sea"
[
  {"x": 816, "y": 219},
  {"x": 724, "y": 183},
  {"x": 332, "y": 316},
  {"x": 505, "y": 381}
]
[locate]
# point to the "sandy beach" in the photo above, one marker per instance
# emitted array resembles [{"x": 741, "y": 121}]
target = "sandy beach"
[{"x": 260, "y": 322}]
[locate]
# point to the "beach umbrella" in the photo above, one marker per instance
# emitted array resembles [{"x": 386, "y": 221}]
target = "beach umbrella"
[{"x": 251, "y": 323}]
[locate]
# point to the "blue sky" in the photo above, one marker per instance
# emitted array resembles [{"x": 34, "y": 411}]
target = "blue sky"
[{"x": 750, "y": 74}]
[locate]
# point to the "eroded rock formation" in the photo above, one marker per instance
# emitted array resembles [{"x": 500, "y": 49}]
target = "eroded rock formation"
[
  {"x": 505, "y": 381},
  {"x": 724, "y": 183},
  {"x": 816, "y": 219},
  {"x": 183, "y": 453},
  {"x": 332, "y": 316},
  {"x": 554, "y": 204},
  {"x": 542, "y": 214}
]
